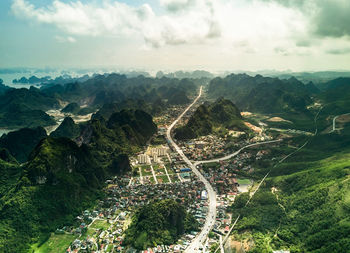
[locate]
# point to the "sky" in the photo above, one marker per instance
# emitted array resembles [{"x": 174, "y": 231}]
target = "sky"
[{"x": 214, "y": 35}]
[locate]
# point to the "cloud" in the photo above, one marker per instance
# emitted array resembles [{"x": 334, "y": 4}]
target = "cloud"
[
  {"x": 65, "y": 39},
  {"x": 116, "y": 18},
  {"x": 333, "y": 18},
  {"x": 177, "y": 5},
  {"x": 303, "y": 43},
  {"x": 326, "y": 18},
  {"x": 340, "y": 51}
]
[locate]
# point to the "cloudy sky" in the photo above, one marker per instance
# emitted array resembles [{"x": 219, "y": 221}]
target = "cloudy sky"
[{"x": 176, "y": 34}]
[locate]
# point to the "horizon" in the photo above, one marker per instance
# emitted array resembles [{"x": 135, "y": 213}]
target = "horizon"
[{"x": 176, "y": 35}]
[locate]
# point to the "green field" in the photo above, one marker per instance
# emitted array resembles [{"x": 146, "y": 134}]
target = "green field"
[
  {"x": 146, "y": 170},
  {"x": 152, "y": 180},
  {"x": 163, "y": 178},
  {"x": 174, "y": 178},
  {"x": 55, "y": 244},
  {"x": 244, "y": 181},
  {"x": 100, "y": 224}
]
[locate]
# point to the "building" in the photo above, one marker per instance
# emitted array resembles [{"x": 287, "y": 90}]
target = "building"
[
  {"x": 159, "y": 151},
  {"x": 182, "y": 170},
  {"x": 143, "y": 159},
  {"x": 204, "y": 195},
  {"x": 200, "y": 144}
]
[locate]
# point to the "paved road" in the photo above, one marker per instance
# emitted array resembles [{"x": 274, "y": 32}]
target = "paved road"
[
  {"x": 235, "y": 153},
  {"x": 200, "y": 239},
  {"x": 335, "y": 118}
]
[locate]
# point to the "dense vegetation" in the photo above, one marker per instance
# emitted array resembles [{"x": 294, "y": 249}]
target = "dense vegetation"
[
  {"x": 304, "y": 204},
  {"x": 157, "y": 223},
  {"x": 62, "y": 177},
  {"x": 262, "y": 94},
  {"x": 220, "y": 115},
  {"x": 115, "y": 88},
  {"x": 288, "y": 99},
  {"x": 20, "y": 143},
  {"x": 25, "y": 108},
  {"x": 67, "y": 129}
]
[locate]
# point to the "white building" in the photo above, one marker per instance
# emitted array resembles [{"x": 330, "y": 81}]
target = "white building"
[{"x": 143, "y": 159}]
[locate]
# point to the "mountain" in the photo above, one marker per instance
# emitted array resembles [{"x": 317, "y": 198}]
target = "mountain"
[
  {"x": 20, "y": 143},
  {"x": 63, "y": 177},
  {"x": 116, "y": 88},
  {"x": 71, "y": 108},
  {"x": 58, "y": 182},
  {"x": 3, "y": 87},
  {"x": 303, "y": 205},
  {"x": 25, "y": 108},
  {"x": 181, "y": 74},
  {"x": 158, "y": 223},
  {"x": 334, "y": 83},
  {"x": 67, "y": 129},
  {"x": 222, "y": 114},
  {"x": 32, "y": 80},
  {"x": 262, "y": 94}
]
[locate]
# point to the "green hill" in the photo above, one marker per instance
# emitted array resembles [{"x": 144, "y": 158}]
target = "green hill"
[
  {"x": 25, "y": 108},
  {"x": 59, "y": 180},
  {"x": 158, "y": 223},
  {"x": 20, "y": 143},
  {"x": 67, "y": 129},
  {"x": 209, "y": 118},
  {"x": 62, "y": 178},
  {"x": 262, "y": 94},
  {"x": 309, "y": 209}
]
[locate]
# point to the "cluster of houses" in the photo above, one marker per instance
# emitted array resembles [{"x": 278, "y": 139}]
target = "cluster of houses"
[{"x": 204, "y": 147}]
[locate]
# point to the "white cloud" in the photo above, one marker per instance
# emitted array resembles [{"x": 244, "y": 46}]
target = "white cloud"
[
  {"x": 183, "y": 22},
  {"x": 65, "y": 39}
]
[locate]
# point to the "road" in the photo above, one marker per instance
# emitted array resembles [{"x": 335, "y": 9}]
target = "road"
[
  {"x": 235, "y": 153},
  {"x": 335, "y": 118},
  {"x": 199, "y": 240}
]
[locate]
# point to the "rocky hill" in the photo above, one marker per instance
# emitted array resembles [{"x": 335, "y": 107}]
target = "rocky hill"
[
  {"x": 161, "y": 222},
  {"x": 222, "y": 114}
]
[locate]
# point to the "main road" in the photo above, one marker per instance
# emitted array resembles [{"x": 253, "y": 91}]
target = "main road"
[{"x": 198, "y": 241}]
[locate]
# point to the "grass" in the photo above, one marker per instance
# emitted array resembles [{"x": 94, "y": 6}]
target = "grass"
[
  {"x": 100, "y": 224},
  {"x": 56, "y": 243},
  {"x": 146, "y": 170},
  {"x": 174, "y": 178},
  {"x": 152, "y": 180},
  {"x": 159, "y": 171},
  {"x": 243, "y": 181},
  {"x": 162, "y": 179}
]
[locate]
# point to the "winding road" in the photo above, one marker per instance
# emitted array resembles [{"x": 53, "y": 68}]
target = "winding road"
[
  {"x": 199, "y": 240},
  {"x": 197, "y": 244}
]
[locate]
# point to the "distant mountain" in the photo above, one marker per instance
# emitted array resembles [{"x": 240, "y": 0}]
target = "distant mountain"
[
  {"x": 67, "y": 129},
  {"x": 20, "y": 143},
  {"x": 32, "y": 80},
  {"x": 115, "y": 88},
  {"x": 218, "y": 115},
  {"x": 335, "y": 83},
  {"x": 181, "y": 74},
  {"x": 158, "y": 223},
  {"x": 262, "y": 94},
  {"x": 25, "y": 108}
]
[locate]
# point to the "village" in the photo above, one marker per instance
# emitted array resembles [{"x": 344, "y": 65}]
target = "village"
[{"x": 157, "y": 173}]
